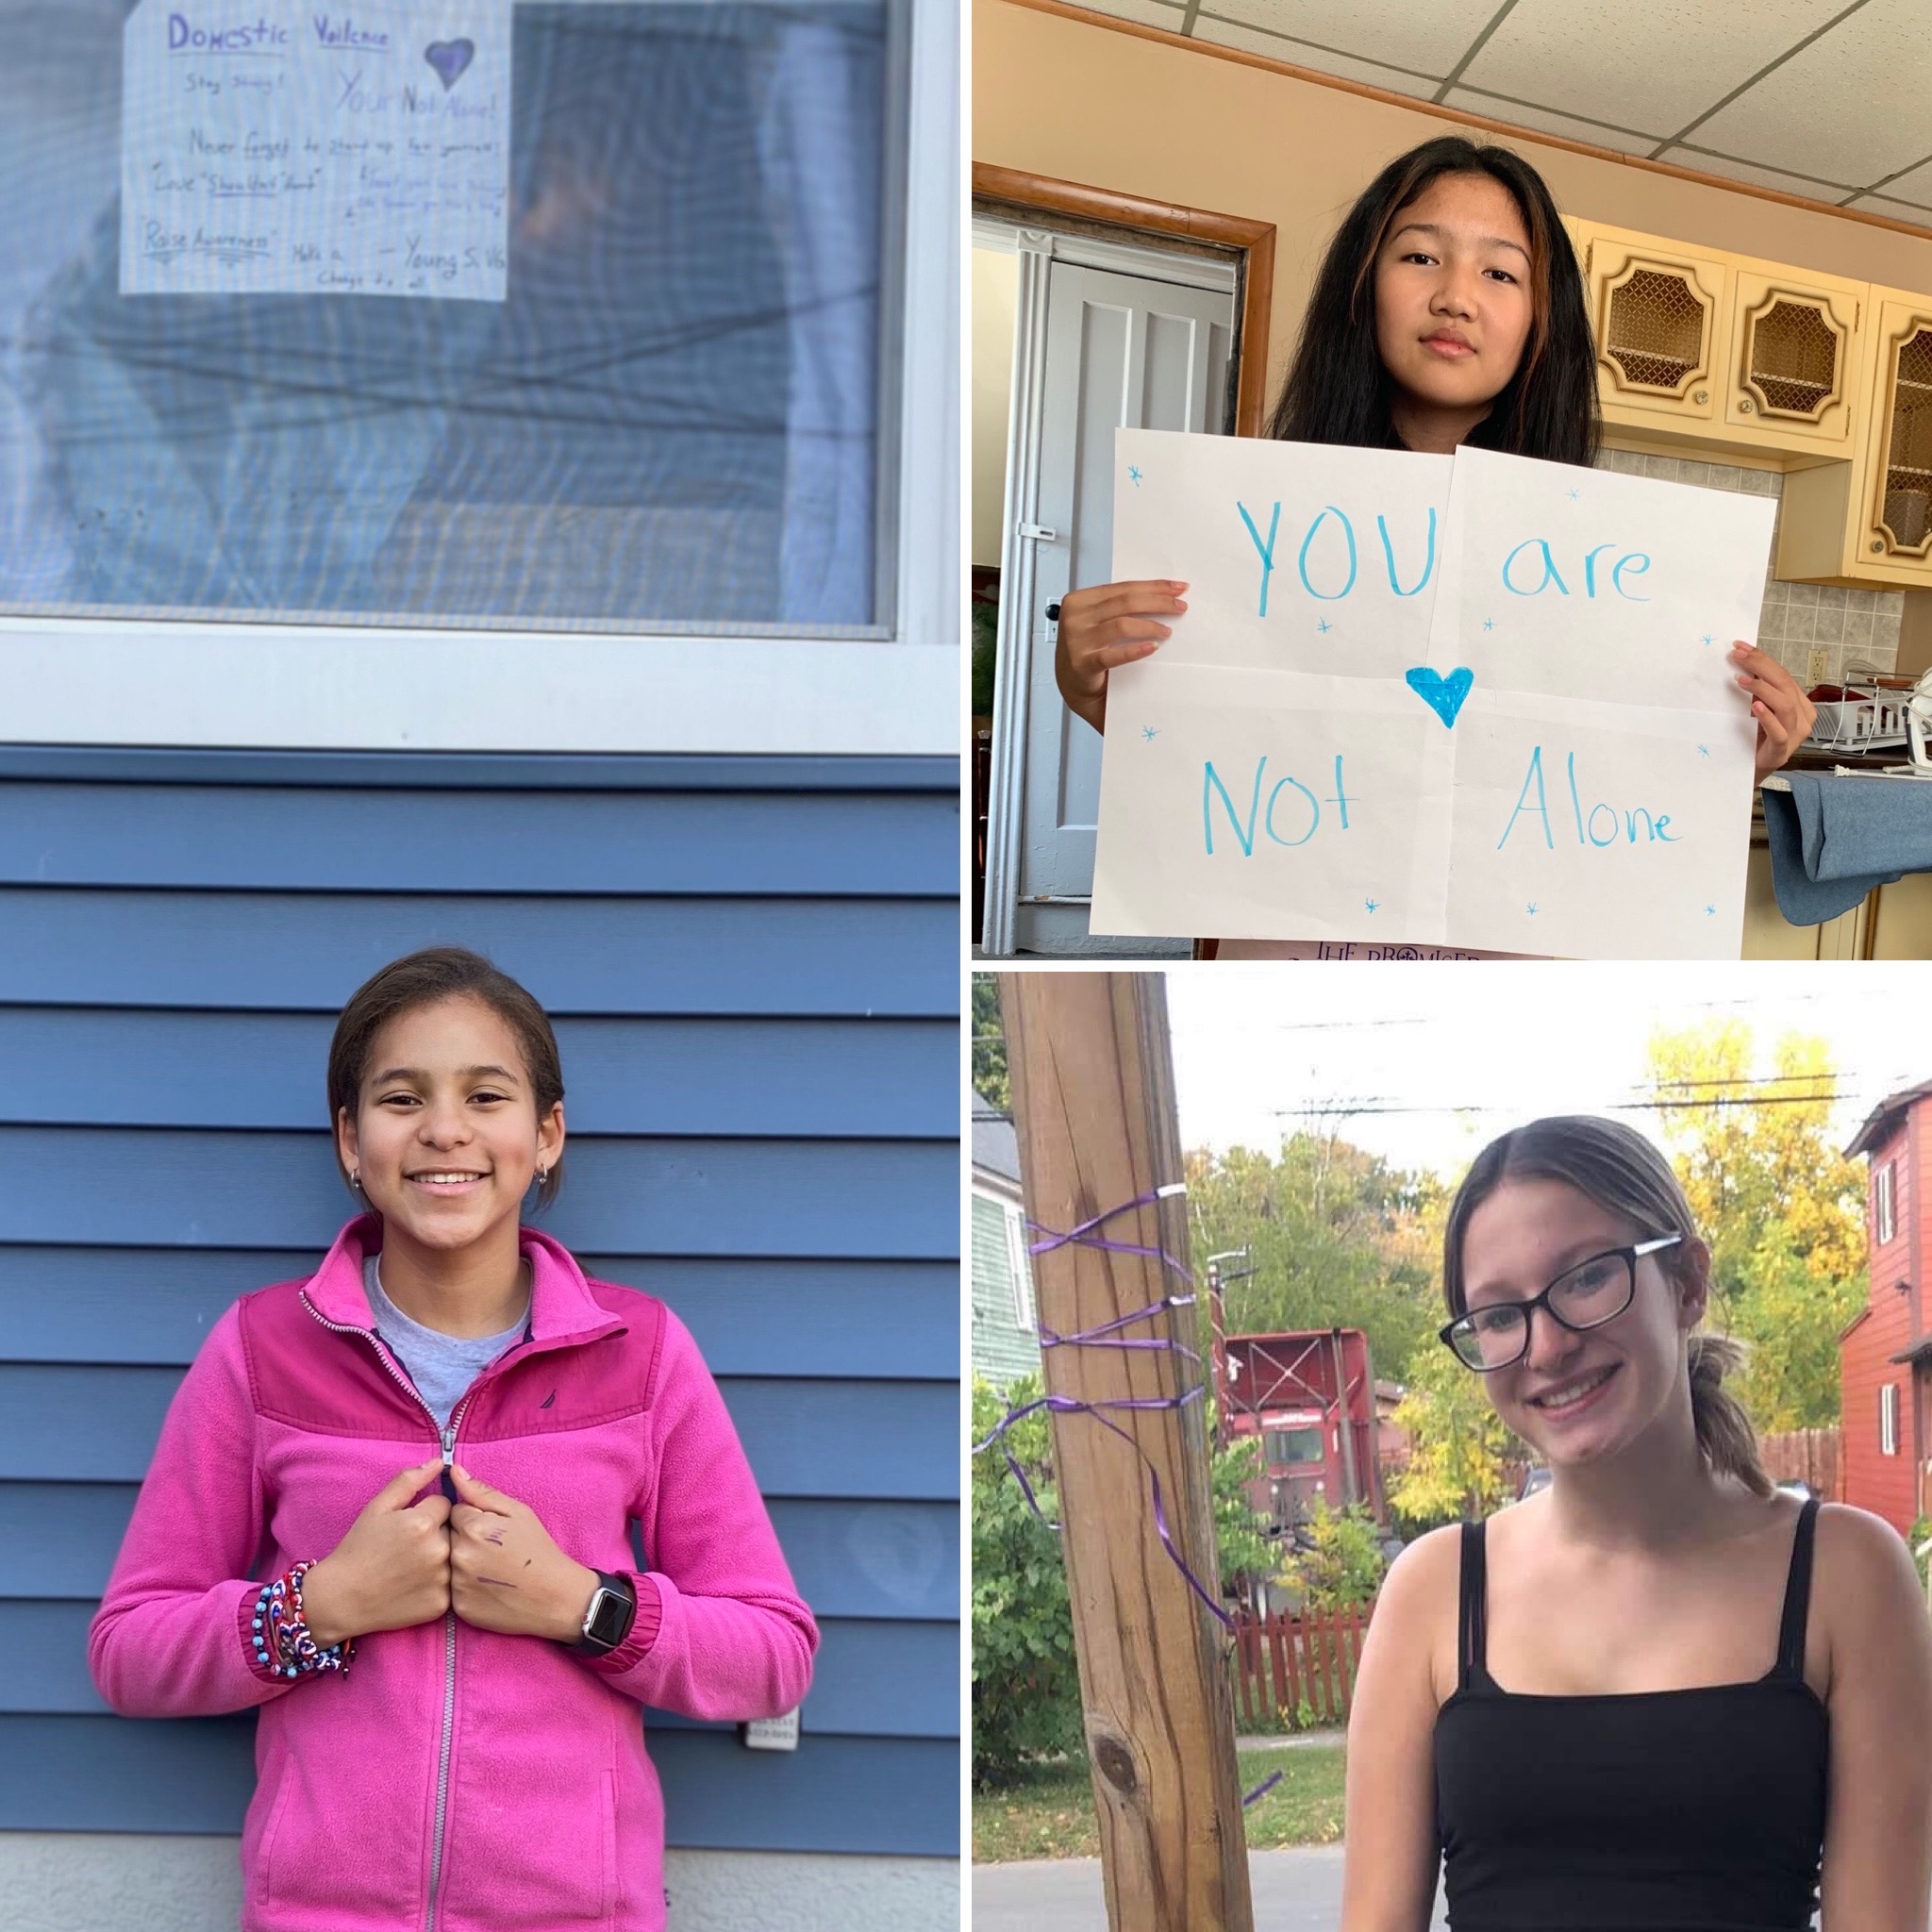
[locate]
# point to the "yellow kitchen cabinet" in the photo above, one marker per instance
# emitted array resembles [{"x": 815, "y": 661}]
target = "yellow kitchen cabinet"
[
  {"x": 1723, "y": 352},
  {"x": 1794, "y": 373},
  {"x": 1769, "y": 936},
  {"x": 1903, "y": 924},
  {"x": 1869, "y": 521},
  {"x": 1660, "y": 315}
]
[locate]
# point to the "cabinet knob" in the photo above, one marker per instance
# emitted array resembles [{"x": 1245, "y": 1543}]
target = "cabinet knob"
[
  {"x": 1703, "y": 395},
  {"x": 1878, "y": 545},
  {"x": 1744, "y": 406}
]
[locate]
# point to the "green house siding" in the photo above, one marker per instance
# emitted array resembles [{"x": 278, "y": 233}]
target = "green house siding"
[{"x": 1003, "y": 1351}]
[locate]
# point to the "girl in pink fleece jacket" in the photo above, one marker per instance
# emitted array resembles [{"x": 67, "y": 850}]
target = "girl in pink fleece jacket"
[{"x": 421, "y": 1575}]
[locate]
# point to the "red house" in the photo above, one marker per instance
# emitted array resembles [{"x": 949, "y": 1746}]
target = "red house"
[{"x": 1885, "y": 1355}]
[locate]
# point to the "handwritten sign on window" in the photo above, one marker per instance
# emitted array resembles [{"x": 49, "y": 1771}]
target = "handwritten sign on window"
[
  {"x": 270, "y": 148},
  {"x": 1474, "y": 702}
]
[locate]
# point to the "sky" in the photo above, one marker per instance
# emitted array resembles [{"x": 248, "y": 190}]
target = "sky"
[{"x": 1423, "y": 1064}]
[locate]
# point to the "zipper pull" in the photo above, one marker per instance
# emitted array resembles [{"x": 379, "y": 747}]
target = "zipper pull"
[{"x": 449, "y": 1446}]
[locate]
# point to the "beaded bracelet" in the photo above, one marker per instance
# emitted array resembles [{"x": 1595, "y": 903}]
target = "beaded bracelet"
[{"x": 282, "y": 1642}]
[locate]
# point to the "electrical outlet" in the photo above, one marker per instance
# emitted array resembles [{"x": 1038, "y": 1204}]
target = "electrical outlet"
[{"x": 1818, "y": 666}]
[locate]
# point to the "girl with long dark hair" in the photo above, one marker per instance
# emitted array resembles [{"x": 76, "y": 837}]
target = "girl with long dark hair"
[
  {"x": 1659, "y": 1692},
  {"x": 1449, "y": 309},
  {"x": 392, "y": 1509}
]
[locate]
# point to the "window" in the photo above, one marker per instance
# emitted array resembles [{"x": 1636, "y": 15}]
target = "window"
[
  {"x": 682, "y": 413},
  {"x": 1882, "y": 1184},
  {"x": 1887, "y": 1419},
  {"x": 1286, "y": 1448},
  {"x": 1021, "y": 1262}
]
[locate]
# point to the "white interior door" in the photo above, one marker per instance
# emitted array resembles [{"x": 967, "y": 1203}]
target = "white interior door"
[{"x": 1120, "y": 349}]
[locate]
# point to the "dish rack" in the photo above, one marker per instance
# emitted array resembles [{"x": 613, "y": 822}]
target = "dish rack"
[{"x": 1869, "y": 715}]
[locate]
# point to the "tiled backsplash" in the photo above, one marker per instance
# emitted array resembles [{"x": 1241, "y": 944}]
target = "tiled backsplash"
[{"x": 1856, "y": 630}]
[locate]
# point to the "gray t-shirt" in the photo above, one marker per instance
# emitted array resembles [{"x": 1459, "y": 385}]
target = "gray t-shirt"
[{"x": 441, "y": 1366}]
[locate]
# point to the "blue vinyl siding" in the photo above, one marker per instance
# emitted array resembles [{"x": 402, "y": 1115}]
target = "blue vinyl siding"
[{"x": 753, "y": 967}]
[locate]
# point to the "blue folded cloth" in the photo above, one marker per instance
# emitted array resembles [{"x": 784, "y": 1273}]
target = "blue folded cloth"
[{"x": 1833, "y": 840}]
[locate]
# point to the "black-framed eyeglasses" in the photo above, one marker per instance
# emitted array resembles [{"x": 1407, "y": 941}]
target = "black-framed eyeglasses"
[{"x": 1585, "y": 1296}]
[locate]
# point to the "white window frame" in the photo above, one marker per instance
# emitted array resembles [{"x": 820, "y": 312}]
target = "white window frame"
[
  {"x": 1884, "y": 1203},
  {"x": 1025, "y": 1311},
  {"x": 349, "y": 687},
  {"x": 1887, "y": 1419}
]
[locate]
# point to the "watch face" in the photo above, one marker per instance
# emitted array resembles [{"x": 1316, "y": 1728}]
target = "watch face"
[{"x": 607, "y": 1616}]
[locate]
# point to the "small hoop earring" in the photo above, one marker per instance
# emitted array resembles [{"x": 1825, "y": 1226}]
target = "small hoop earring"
[
  {"x": 356, "y": 1182},
  {"x": 542, "y": 1176}
]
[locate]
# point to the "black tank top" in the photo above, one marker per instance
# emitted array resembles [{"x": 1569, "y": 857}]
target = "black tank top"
[{"x": 1695, "y": 1810}]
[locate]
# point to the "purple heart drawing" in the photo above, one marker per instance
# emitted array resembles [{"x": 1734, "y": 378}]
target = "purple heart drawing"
[{"x": 450, "y": 58}]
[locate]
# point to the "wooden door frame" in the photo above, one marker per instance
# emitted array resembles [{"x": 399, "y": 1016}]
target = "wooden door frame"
[{"x": 1252, "y": 240}]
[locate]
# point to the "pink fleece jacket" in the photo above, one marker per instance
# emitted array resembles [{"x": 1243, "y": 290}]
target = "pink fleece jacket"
[{"x": 453, "y": 1779}]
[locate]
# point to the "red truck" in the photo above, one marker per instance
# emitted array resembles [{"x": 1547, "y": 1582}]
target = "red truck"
[{"x": 1310, "y": 1397}]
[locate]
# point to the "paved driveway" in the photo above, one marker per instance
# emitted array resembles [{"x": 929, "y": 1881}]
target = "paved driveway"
[{"x": 1296, "y": 1890}]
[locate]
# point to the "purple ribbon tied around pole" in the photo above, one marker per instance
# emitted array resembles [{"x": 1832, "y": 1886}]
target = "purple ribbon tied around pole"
[{"x": 1105, "y": 1336}]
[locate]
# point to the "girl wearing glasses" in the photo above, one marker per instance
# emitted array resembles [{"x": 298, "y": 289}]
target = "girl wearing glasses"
[{"x": 1660, "y": 1693}]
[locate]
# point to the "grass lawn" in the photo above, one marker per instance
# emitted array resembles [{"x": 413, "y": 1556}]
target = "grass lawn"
[{"x": 1053, "y": 1818}]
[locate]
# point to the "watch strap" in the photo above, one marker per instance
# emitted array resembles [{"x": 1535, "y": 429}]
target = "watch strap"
[{"x": 597, "y": 1615}]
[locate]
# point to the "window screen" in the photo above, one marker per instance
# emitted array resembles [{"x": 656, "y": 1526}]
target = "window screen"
[{"x": 671, "y": 421}]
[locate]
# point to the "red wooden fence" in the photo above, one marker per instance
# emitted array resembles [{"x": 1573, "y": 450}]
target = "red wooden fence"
[
  {"x": 1808, "y": 1455},
  {"x": 1282, "y": 1663}
]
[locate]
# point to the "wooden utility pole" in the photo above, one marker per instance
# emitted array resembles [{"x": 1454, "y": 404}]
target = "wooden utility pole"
[{"x": 1094, "y": 1105}]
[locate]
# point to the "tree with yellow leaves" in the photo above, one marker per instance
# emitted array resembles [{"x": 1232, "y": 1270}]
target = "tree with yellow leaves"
[{"x": 1781, "y": 1207}]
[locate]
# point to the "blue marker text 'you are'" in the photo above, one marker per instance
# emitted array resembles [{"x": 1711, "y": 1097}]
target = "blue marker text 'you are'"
[{"x": 1327, "y": 560}]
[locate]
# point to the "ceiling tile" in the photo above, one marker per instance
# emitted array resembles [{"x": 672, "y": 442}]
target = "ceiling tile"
[
  {"x": 1158, "y": 13},
  {"x": 1640, "y": 64},
  {"x": 1898, "y": 211},
  {"x": 1429, "y": 41},
  {"x": 1540, "y": 120},
  {"x": 1226, "y": 33},
  {"x": 1733, "y": 170},
  {"x": 1853, "y": 105},
  {"x": 1915, "y": 184}
]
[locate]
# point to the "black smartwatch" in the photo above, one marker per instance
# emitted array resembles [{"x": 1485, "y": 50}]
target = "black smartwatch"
[{"x": 608, "y": 1622}]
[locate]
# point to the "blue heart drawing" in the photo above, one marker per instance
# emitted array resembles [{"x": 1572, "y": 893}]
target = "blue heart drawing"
[
  {"x": 1444, "y": 695},
  {"x": 450, "y": 58}
]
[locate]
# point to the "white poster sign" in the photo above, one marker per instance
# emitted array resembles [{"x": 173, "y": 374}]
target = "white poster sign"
[
  {"x": 270, "y": 148},
  {"x": 1482, "y": 702}
]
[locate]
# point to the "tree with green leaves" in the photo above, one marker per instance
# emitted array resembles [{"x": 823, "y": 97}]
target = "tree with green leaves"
[
  {"x": 990, "y": 1077},
  {"x": 1025, "y": 1684},
  {"x": 1781, "y": 1207},
  {"x": 1342, "y": 1563},
  {"x": 1338, "y": 1239},
  {"x": 1459, "y": 1444},
  {"x": 1244, "y": 1551}
]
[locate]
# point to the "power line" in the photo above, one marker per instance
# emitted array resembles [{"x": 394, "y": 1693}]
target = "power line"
[{"x": 1376, "y": 1106}]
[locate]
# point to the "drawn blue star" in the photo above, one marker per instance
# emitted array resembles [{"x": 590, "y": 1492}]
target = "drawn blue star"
[
  {"x": 1532, "y": 907},
  {"x": 1710, "y": 912},
  {"x": 1148, "y": 732},
  {"x": 1370, "y": 903},
  {"x": 1704, "y": 751},
  {"x": 1135, "y": 475},
  {"x": 1705, "y": 639},
  {"x": 1322, "y": 625},
  {"x": 1574, "y": 494},
  {"x": 1489, "y": 624}
]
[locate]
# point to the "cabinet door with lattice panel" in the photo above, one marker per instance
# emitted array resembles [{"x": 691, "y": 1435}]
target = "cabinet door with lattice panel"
[
  {"x": 1795, "y": 366},
  {"x": 1895, "y": 474},
  {"x": 1660, "y": 313}
]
